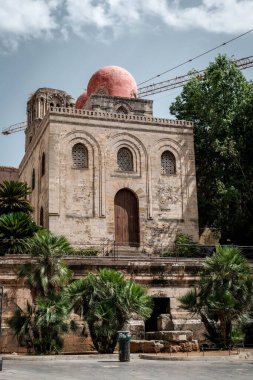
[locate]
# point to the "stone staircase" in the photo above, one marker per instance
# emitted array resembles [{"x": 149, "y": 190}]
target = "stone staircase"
[{"x": 128, "y": 252}]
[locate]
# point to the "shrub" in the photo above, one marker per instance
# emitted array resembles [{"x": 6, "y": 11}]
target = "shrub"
[{"x": 184, "y": 247}]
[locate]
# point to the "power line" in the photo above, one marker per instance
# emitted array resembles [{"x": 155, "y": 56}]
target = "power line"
[
  {"x": 197, "y": 56},
  {"x": 242, "y": 63}
]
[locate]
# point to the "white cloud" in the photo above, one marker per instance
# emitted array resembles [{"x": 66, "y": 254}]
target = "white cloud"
[{"x": 24, "y": 19}]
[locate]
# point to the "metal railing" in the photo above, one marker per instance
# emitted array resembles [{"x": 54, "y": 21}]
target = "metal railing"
[
  {"x": 148, "y": 250},
  {"x": 1, "y": 306},
  {"x": 157, "y": 251}
]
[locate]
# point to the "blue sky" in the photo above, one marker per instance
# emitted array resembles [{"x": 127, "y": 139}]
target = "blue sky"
[{"x": 61, "y": 43}]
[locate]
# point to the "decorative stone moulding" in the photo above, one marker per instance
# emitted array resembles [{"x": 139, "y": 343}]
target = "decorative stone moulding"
[{"x": 113, "y": 116}]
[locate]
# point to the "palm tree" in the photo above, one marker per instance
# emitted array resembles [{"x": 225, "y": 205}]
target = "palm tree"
[
  {"x": 224, "y": 295},
  {"x": 48, "y": 271},
  {"x": 106, "y": 300},
  {"x": 13, "y": 197},
  {"x": 40, "y": 327},
  {"x": 15, "y": 228}
]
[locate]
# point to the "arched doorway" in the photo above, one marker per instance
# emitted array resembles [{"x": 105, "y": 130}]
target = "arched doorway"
[{"x": 126, "y": 211}]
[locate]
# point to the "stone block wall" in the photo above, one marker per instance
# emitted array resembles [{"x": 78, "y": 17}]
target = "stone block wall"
[
  {"x": 79, "y": 203},
  {"x": 16, "y": 293},
  {"x": 8, "y": 173}
]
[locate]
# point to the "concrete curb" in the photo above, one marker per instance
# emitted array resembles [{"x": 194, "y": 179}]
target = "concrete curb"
[
  {"x": 115, "y": 357},
  {"x": 98, "y": 357},
  {"x": 59, "y": 357},
  {"x": 215, "y": 358}
]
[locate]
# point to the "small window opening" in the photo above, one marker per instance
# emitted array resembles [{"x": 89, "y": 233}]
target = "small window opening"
[
  {"x": 122, "y": 109},
  {"x": 168, "y": 163},
  {"x": 125, "y": 160},
  {"x": 33, "y": 179},
  {"x": 43, "y": 164},
  {"x": 41, "y": 217},
  {"x": 80, "y": 156}
]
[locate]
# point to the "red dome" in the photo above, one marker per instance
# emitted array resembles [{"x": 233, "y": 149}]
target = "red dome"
[
  {"x": 81, "y": 100},
  {"x": 113, "y": 81}
]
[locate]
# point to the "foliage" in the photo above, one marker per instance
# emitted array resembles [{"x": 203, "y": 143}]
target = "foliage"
[
  {"x": 106, "y": 300},
  {"x": 85, "y": 252},
  {"x": 48, "y": 270},
  {"x": 40, "y": 326},
  {"x": 13, "y": 197},
  {"x": 15, "y": 228},
  {"x": 221, "y": 107},
  {"x": 237, "y": 335},
  {"x": 224, "y": 295},
  {"x": 16, "y": 224},
  {"x": 184, "y": 247}
]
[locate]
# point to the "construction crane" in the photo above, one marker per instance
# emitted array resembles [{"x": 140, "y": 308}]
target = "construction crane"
[
  {"x": 153, "y": 89},
  {"x": 14, "y": 128},
  {"x": 180, "y": 81}
]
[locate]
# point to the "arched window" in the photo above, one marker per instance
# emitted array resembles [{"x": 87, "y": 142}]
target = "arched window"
[
  {"x": 33, "y": 179},
  {"x": 41, "y": 217},
  {"x": 43, "y": 164},
  {"x": 168, "y": 163},
  {"x": 80, "y": 156},
  {"x": 101, "y": 91},
  {"x": 122, "y": 109},
  {"x": 125, "y": 160}
]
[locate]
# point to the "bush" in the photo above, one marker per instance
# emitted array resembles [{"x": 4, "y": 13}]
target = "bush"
[
  {"x": 237, "y": 335},
  {"x": 85, "y": 252},
  {"x": 184, "y": 247}
]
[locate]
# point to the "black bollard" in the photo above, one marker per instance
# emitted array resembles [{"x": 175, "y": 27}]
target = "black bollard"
[{"x": 124, "y": 346}]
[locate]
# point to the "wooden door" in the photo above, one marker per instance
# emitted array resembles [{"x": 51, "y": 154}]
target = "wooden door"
[{"x": 126, "y": 218}]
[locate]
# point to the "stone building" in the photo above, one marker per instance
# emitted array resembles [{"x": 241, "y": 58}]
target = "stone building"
[
  {"x": 8, "y": 173},
  {"x": 104, "y": 169}
]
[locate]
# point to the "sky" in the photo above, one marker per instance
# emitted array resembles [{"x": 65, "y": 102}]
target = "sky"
[{"x": 61, "y": 43}]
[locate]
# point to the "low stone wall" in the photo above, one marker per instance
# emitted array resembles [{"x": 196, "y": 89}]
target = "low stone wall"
[
  {"x": 165, "y": 341},
  {"x": 163, "y": 278}
]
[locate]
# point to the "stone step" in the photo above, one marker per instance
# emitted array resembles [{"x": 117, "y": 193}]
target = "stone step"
[
  {"x": 155, "y": 346},
  {"x": 170, "y": 336},
  {"x": 128, "y": 252}
]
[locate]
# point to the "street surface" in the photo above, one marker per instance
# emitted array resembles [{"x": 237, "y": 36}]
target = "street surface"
[{"x": 138, "y": 369}]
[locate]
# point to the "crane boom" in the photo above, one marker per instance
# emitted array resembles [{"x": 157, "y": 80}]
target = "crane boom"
[
  {"x": 170, "y": 84},
  {"x": 14, "y": 128},
  {"x": 180, "y": 81}
]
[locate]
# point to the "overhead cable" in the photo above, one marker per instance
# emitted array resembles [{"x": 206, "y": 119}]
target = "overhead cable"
[{"x": 197, "y": 56}]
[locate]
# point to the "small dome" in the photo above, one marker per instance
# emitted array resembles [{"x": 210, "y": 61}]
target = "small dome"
[
  {"x": 81, "y": 100},
  {"x": 112, "y": 81}
]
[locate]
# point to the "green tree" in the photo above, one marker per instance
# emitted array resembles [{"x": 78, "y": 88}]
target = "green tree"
[
  {"x": 15, "y": 228},
  {"x": 224, "y": 295},
  {"x": 40, "y": 326},
  {"x": 13, "y": 197},
  {"x": 47, "y": 271},
  {"x": 16, "y": 224},
  {"x": 106, "y": 300},
  {"x": 221, "y": 105}
]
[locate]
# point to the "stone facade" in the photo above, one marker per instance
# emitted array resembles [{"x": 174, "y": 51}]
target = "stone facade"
[
  {"x": 8, "y": 173},
  {"x": 79, "y": 203}
]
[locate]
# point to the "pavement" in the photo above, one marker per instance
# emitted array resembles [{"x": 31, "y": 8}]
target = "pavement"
[
  {"x": 137, "y": 369},
  {"x": 100, "y": 367}
]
